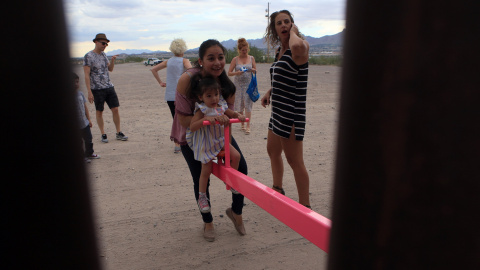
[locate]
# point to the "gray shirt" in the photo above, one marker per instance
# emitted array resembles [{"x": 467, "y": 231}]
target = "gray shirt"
[
  {"x": 175, "y": 69},
  {"x": 82, "y": 118},
  {"x": 99, "y": 76}
]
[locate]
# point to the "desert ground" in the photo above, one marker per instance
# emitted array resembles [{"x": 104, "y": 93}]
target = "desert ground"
[{"x": 142, "y": 192}]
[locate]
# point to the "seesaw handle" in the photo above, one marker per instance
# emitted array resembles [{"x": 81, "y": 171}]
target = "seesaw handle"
[
  {"x": 227, "y": 138},
  {"x": 233, "y": 120}
]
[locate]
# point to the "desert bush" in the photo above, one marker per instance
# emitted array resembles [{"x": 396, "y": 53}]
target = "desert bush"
[
  {"x": 326, "y": 60},
  {"x": 133, "y": 59}
]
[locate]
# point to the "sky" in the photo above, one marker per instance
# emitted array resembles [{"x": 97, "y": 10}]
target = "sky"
[{"x": 153, "y": 24}]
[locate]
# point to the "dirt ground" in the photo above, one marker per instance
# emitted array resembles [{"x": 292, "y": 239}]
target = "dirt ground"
[{"x": 142, "y": 192}]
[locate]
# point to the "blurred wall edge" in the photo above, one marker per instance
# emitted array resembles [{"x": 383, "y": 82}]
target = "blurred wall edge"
[
  {"x": 407, "y": 179},
  {"x": 47, "y": 217}
]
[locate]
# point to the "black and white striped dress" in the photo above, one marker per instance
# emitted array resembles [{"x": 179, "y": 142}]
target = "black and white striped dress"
[{"x": 289, "y": 96}]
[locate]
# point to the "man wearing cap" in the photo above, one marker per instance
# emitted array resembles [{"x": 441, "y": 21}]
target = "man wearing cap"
[{"x": 100, "y": 89}]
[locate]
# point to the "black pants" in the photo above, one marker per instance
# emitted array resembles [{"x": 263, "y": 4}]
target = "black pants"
[
  {"x": 171, "y": 106},
  {"x": 87, "y": 140},
  {"x": 195, "y": 167}
]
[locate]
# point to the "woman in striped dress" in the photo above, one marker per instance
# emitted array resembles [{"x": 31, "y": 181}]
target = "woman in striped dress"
[{"x": 288, "y": 95}]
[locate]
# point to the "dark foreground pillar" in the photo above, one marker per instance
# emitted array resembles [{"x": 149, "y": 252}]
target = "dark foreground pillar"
[
  {"x": 407, "y": 184},
  {"x": 46, "y": 215}
]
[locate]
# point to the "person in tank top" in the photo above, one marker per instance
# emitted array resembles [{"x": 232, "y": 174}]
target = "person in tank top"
[
  {"x": 175, "y": 68},
  {"x": 242, "y": 67}
]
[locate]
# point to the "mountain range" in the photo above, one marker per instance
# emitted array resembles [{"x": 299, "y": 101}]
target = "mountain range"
[{"x": 336, "y": 40}]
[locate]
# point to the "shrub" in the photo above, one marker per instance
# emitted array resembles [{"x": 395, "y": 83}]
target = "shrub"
[
  {"x": 326, "y": 60},
  {"x": 133, "y": 59}
]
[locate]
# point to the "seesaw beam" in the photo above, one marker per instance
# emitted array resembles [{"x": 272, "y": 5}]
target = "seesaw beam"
[{"x": 311, "y": 225}]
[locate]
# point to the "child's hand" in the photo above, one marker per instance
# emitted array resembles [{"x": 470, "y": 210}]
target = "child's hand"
[{"x": 211, "y": 119}]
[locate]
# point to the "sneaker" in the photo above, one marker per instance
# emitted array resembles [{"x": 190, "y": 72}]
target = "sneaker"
[
  {"x": 176, "y": 149},
  {"x": 104, "y": 138},
  {"x": 87, "y": 160},
  {"x": 203, "y": 203},
  {"x": 121, "y": 136},
  {"x": 95, "y": 156}
]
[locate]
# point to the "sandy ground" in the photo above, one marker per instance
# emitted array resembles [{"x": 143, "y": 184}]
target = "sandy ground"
[{"x": 145, "y": 210}]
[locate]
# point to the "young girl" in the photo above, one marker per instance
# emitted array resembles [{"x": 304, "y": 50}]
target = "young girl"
[{"x": 207, "y": 141}]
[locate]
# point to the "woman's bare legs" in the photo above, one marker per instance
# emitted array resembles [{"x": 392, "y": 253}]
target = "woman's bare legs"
[
  {"x": 293, "y": 150},
  {"x": 249, "y": 116},
  {"x": 274, "y": 150}
]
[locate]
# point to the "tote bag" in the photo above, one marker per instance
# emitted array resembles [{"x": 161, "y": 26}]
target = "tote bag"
[{"x": 252, "y": 90}]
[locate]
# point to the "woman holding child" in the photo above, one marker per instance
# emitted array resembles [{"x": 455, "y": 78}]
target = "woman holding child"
[{"x": 211, "y": 63}]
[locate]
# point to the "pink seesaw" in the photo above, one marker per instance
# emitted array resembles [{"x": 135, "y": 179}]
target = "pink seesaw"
[{"x": 311, "y": 225}]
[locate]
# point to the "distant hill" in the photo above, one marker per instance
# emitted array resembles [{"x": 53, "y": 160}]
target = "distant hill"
[
  {"x": 336, "y": 39},
  {"x": 133, "y": 51}
]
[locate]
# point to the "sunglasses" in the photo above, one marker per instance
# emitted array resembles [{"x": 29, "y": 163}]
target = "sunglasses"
[{"x": 104, "y": 43}]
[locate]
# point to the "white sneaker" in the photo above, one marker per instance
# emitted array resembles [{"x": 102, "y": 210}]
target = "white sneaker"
[{"x": 203, "y": 203}]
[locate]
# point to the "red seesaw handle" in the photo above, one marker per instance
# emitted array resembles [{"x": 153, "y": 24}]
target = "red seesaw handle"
[
  {"x": 227, "y": 137},
  {"x": 233, "y": 120}
]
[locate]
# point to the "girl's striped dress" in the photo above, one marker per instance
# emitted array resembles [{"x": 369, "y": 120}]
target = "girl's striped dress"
[
  {"x": 207, "y": 141},
  {"x": 289, "y": 96}
]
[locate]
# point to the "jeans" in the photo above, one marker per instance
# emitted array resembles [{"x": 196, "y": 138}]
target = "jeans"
[{"x": 195, "y": 167}]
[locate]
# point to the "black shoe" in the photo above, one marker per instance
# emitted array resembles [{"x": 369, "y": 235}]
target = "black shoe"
[
  {"x": 104, "y": 138},
  {"x": 121, "y": 136}
]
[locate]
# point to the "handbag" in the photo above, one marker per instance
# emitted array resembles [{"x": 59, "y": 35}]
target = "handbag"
[{"x": 252, "y": 89}]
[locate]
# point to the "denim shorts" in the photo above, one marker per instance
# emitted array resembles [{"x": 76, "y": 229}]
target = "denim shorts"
[{"x": 108, "y": 95}]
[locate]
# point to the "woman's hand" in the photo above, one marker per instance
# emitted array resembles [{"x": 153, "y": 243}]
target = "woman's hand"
[
  {"x": 241, "y": 117},
  {"x": 223, "y": 119},
  {"x": 294, "y": 30},
  {"x": 266, "y": 98}
]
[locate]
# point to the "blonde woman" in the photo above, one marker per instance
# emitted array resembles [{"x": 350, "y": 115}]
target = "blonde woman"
[
  {"x": 175, "y": 68},
  {"x": 241, "y": 67}
]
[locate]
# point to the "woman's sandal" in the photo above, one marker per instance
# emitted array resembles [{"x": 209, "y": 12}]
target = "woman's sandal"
[
  {"x": 247, "y": 131},
  {"x": 279, "y": 189}
]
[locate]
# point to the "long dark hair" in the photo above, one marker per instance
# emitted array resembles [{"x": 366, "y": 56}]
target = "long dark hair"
[{"x": 227, "y": 86}]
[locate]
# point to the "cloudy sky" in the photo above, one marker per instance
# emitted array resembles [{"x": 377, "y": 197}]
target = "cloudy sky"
[{"x": 153, "y": 24}]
